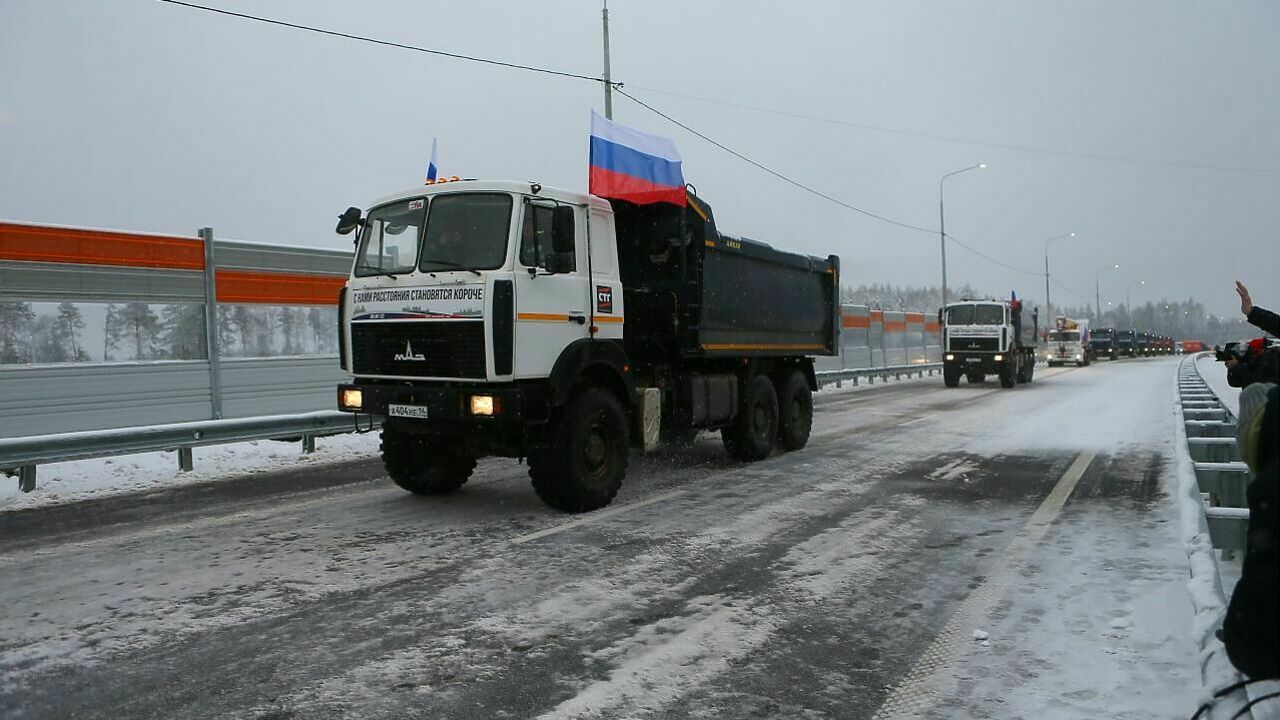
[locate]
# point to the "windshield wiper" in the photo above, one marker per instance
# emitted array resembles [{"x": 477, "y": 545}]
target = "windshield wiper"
[
  {"x": 450, "y": 263},
  {"x": 378, "y": 271}
]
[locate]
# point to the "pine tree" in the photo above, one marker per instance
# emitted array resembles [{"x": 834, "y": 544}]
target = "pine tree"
[
  {"x": 182, "y": 331},
  {"x": 113, "y": 331},
  {"x": 16, "y": 324},
  {"x": 141, "y": 326},
  {"x": 69, "y": 324}
]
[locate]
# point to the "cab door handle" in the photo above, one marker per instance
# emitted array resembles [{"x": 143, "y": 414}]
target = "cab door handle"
[{"x": 580, "y": 319}]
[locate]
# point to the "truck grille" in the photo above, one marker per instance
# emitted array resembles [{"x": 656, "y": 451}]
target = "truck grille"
[
  {"x": 419, "y": 349},
  {"x": 980, "y": 344}
]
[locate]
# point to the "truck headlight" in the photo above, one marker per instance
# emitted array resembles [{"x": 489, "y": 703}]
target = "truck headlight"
[
  {"x": 1077, "y": 357},
  {"x": 483, "y": 405},
  {"x": 951, "y": 357},
  {"x": 998, "y": 358},
  {"x": 352, "y": 399}
]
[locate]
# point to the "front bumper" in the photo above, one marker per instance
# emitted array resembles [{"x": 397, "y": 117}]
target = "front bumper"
[
  {"x": 978, "y": 361},
  {"x": 448, "y": 408}
]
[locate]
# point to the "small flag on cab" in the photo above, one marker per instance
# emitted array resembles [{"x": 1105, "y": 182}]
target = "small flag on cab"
[
  {"x": 433, "y": 166},
  {"x": 630, "y": 165}
]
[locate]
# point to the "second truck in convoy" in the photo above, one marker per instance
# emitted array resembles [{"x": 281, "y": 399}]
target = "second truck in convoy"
[
  {"x": 517, "y": 320},
  {"x": 1069, "y": 342}
]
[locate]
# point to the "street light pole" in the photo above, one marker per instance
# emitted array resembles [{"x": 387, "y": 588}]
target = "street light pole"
[
  {"x": 608, "y": 80},
  {"x": 1048, "y": 306},
  {"x": 942, "y": 225},
  {"x": 1097, "y": 305}
]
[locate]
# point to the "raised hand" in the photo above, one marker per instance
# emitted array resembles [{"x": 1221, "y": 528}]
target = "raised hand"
[{"x": 1246, "y": 302}]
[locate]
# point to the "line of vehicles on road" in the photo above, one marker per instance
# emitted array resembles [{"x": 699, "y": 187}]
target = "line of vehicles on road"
[{"x": 562, "y": 329}]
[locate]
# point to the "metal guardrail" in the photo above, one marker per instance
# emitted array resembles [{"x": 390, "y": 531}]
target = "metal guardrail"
[
  {"x": 1220, "y": 474},
  {"x": 838, "y": 377},
  {"x": 25, "y": 453},
  {"x": 1215, "y": 516}
]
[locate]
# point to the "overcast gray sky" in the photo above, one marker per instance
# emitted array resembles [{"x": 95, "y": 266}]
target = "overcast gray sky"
[{"x": 140, "y": 115}]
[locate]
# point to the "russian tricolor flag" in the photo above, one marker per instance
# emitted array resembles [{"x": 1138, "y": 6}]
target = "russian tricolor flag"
[
  {"x": 433, "y": 168},
  {"x": 627, "y": 164}
]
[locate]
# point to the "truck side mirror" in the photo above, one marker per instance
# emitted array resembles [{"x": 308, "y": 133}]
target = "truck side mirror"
[
  {"x": 939, "y": 316},
  {"x": 562, "y": 240},
  {"x": 348, "y": 221}
]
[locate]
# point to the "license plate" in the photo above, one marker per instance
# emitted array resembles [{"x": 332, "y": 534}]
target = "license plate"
[
  {"x": 407, "y": 411},
  {"x": 973, "y": 360}
]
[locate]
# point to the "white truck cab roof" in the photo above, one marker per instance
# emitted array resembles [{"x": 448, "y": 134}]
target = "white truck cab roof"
[{"x": 504, "y": 186}]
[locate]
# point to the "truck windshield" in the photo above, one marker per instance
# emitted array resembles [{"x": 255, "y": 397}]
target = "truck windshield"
[
  {"x": 389, "y": 241},
  {"x": 467, "y": 231},
  {"x": 1064, "y": 335},
  {"x": 975, "y": 315}
]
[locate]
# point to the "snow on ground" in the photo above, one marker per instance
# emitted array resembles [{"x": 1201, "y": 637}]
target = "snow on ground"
[{"x": 78, "y": 480}]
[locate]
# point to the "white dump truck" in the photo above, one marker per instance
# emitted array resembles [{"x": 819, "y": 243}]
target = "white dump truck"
[{"x": 512, "y": 319}]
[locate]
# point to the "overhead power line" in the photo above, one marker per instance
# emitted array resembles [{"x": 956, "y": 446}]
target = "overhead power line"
[
  {"x": 386, "y": 43},
  {"x": 767, "y": 169},
  {"x": 814, "y": 191},
  {"x": 995, "y": 260},
  {"x": 955, "y": 139},
  {"x": 618, "y": 87}
]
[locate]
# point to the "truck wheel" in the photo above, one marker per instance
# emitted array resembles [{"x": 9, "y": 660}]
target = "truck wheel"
[
  {"x": 1027, "y": 372},
  {"x": 795, "y": 408},
  {"x": 421, "y": 466},
  {"x": 754, "y": 431},
  {"x": 1007, "y": 379},
  {"x": 950, "y": 376},
  {"x": 584, "y": 467}
]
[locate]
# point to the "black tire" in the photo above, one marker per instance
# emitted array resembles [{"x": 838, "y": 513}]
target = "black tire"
[
  {"x": 583, "y": 468},
  {"x": 424, "y": 466},
  {"x": 755, "y": 431},
  {"x": 1027, "y": 372},
  {"x": 795, "y": 412},
  {"x": 950, "y": 376},
  {"x": 1053, "y": 364},
  {"x": 1007, "y": 379}
]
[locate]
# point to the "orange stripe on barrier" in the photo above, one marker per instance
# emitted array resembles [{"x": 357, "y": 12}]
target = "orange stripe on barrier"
[
  {"x": 932, "y": 327},
  {"x": 895, "y": 326},
  {"x": 855, "y": 322},
  {"x": 34, "y": 243},
  {"x": 915, "y": 317},
  {"x": 269, "y": 288},
  {"x": 877, "y": 316}
]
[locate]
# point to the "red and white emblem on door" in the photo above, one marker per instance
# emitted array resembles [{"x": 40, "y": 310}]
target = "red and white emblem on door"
[{"x": 604, "y": 299}]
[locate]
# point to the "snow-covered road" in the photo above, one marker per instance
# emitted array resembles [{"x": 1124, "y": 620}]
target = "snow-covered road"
[{"x": 974, "y": 552}]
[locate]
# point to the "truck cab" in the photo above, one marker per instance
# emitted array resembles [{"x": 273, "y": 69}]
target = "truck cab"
[
  {"x": 1127, "y": 342},
  {"x": 511, "y": 319},
  {"x": 987, "y": 337},
  {"x": 1103, "y": 343},
  {"x": 1068, "y": 343}
]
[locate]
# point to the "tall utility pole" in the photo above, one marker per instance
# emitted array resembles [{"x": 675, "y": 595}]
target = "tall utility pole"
[
  {"x": 1048, "y": 307},
  {"x": 608, "y": 80},
  {"x": 942, "y": 225}
]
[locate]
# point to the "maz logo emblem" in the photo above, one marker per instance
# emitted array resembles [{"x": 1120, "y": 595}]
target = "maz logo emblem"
[{"x": 409, "y": 354}]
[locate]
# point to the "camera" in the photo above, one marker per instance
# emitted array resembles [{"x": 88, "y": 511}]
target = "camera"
[{"x": 1223, "y": 353}]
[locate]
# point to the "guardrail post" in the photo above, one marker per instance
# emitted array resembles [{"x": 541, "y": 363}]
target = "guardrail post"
[
  {"x": 211, "y": 324},
  {"x": 186, "y": 463},
  {"x": 27, "y": 478},
  {"x": 308, "y": 444}
]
